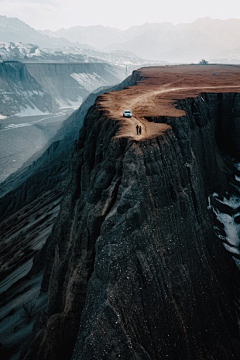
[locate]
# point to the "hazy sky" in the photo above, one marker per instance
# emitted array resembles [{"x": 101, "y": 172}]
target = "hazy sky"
[{"x": 55, "y": 14}]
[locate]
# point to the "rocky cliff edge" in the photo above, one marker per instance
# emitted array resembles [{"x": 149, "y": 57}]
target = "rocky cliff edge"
[{"x": 133, "y": 268}]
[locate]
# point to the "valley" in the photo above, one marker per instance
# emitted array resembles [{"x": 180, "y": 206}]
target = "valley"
[
  {"x": 36, "y": 98},
  {"x": 23, "y": 137}
]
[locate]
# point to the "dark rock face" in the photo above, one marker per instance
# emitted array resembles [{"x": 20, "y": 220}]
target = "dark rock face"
[
  {"x": 133, "y": 267},
  {"x": 21, "y": 238},
  {"x": 225, "y": 110},
  {"x": 28, "y": 209}
]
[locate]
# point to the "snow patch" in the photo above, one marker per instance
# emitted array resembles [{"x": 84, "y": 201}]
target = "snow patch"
[
  {"x": 2, "y": 117},
  {"x": 233, "y": 202},
  {"x": 31, "y": 111},
  {"x": 89, "y": 81},
  {"x": 230, "y": 233},
  {"x": 16, "y": 126}
]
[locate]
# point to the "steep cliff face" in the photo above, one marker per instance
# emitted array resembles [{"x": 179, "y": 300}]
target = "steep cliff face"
[
  {"x": 134, "y": 269},
  {"x": 29, "y": 204},
  {"x": 20, "y": 93},
  {"x": 70, "y": 83},
  {"x": 38, "y": 88},
  {"x": 52, "y": 167}
]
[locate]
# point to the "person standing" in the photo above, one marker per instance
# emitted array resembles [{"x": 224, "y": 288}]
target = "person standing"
[{"x": 137, "y": 129}]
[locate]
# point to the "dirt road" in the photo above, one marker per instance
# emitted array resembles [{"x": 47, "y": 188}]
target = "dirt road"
[{"x": 156, "y": 95}]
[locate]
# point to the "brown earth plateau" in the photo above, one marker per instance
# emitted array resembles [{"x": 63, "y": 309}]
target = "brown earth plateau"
[{"x": 148, "y": 99}]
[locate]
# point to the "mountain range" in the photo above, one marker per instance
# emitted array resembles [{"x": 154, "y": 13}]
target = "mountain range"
[
  {"x": 25, "y": 52},
  {"x": 15, "y": 30},
  {"x": 186, "y": 42},
  {"x": 213, "y": 39}
]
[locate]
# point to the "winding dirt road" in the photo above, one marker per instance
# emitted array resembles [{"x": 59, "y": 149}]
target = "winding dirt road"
[{"x": 160, "y": 89}]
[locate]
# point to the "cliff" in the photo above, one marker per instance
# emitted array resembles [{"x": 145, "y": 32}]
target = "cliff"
[
  {"x": 70, "y": 83},
  {"x": 20, "y": 93},
  {"x": 43, "y": 88},
  {"x": 133, "y": 267},
  {"x": 51, "y": 167},
  {"x": 29, "y": 204}
]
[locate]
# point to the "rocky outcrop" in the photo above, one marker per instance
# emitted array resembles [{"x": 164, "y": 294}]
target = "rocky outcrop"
[{"x": 133, "y": 267}]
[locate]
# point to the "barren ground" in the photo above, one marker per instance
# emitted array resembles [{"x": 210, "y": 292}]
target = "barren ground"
[{"x": 149, "y": 99}]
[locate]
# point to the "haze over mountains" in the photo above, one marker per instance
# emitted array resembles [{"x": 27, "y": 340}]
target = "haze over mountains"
[
  {"x": 65, "y": 84},
  {"x": 15, "y": 30},
  {"x": 216, "y": 40},
  {"x": 206, "y": 37}
]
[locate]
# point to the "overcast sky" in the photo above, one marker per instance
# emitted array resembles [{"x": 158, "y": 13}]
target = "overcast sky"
[{"x": 55, "y": 14}]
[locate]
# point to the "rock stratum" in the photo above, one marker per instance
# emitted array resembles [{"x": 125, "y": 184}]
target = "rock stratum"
[{"x": 133, "y": 268}]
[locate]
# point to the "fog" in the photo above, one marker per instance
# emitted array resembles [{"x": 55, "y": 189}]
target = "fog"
[{"x": 56, "y": 14}]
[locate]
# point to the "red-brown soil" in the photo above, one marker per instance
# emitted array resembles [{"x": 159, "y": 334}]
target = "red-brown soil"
[{"x": 156, "y": 94}]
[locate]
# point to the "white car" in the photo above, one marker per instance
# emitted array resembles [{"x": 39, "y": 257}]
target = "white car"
[{"x": 127, "y": 113}]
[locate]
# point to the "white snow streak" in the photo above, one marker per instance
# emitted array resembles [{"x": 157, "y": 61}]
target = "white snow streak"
[
  {"x": 31, "y": 111},
  {"x": 89, "y": 81},
  {"x": 230, "y": 234}
]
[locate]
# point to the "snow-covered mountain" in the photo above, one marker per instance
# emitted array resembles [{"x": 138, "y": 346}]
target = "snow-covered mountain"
[
  {"x": 32, "y": 53},
  {"x": 20, "y": 42},
  {"x": 188, "y": 42},
  {"x": 29, "y": 52},
  {"x": 57, "y": 73}
]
